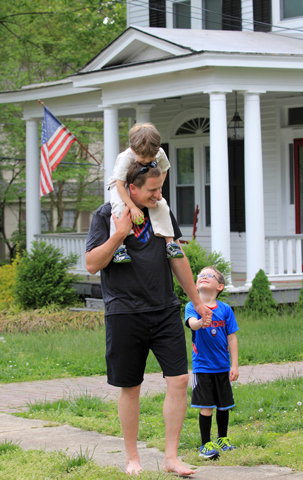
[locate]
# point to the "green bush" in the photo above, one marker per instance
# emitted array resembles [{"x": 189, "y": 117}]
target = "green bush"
[
  {"x": 260, "y": 298},
  {"x": 199, "y": 258},
  {"x": 42, "y": 277}
]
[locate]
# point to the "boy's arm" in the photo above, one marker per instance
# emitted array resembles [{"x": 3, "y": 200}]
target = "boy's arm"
[
  {"x": 135, "y": 211},
  {"x": 233, "y": 350},
  {"x": 194, "y": 323}
]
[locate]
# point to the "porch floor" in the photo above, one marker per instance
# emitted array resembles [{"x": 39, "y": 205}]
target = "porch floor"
[{"x": 239, "y": 279}]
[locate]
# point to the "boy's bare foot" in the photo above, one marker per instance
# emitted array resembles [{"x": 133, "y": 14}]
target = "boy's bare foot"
[
  {"x": 133, "y": 467},
  {"x": 175, "y": 466}
]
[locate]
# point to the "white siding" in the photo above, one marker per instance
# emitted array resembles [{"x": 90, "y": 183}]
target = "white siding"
[{"x": 138, "y": 13}]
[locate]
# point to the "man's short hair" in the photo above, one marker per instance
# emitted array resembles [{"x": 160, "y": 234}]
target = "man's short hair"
[
  {"x": 144, "y": 139},
  {"x": 141, "y": 177}
]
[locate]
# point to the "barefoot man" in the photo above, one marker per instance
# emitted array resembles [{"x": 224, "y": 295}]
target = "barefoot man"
[{"x": 143, "y": 313}]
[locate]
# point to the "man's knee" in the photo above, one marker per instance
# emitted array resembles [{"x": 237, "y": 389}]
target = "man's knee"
[
  {"x": 131, "y": 392},
  {"x": 179, "y": 382}
]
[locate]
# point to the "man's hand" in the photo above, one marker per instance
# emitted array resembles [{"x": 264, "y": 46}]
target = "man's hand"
[
  {"x": 205, "y": 313},
  {"x": 124, "y": 223}
]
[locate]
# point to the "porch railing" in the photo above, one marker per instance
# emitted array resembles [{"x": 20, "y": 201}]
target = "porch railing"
[
  {"x": 283, "y": 253},
  {"x": 284, "y": 257},
  {"x": 69, "y": 243}
]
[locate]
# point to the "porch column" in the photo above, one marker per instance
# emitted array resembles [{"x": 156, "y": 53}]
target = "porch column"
[
  {"x": 254, "y": 201},
  {"x": 143, "y": 113},
  {"x": 33, "y": 205},
  {"x": 220, "y": 223},
  {"x": 111, "y": 144}
]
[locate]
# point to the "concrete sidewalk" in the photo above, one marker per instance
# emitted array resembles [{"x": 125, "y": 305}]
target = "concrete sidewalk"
[{"x": 110, "y": 450}]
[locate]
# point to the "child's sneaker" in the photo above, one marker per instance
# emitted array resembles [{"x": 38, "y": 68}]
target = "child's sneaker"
[
  {"x": 224, "y": 444},
  {"x": 173, "y": 250},
  {"x": 209, "y": 450},
  {"x": 121, "y": 256}
]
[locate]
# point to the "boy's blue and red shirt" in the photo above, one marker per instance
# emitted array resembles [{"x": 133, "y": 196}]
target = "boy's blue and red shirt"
[{"x": 210, "y": 348}]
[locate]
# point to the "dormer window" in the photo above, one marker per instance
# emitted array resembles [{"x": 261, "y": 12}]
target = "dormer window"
[{"x": 181, "y": 14}]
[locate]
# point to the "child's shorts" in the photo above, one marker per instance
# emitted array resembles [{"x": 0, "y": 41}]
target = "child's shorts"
[{"x": 212, "y": 390}]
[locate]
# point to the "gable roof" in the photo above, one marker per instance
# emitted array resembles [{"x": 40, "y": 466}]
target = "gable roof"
[{"x": 145, "y": 44}]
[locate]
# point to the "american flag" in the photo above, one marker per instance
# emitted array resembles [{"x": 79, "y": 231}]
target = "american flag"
[{"x": 56, "y": 140}]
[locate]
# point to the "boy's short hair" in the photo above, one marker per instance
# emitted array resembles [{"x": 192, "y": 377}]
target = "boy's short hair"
[
  {"x": 144, "y": 139},
  {"x": 140, "y": 179},
  {"x": 219, "y": 275}
]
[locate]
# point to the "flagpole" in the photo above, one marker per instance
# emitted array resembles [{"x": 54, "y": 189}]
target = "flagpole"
[{"x": 81, "y": 145}]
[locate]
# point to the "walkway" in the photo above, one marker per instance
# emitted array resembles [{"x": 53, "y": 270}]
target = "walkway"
[{"x": 110, "y": 450}]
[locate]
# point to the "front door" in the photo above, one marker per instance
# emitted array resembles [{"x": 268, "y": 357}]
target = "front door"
[{"x": 298, "y": 171}]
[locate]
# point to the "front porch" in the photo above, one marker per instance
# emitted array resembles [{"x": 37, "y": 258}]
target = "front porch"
[{"x": 283, "y": 264}]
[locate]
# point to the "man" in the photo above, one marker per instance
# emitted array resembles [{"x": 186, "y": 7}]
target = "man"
[{"x": 142, "y": 313}]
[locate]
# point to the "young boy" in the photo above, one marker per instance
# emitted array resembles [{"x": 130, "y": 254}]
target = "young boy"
[
  {"x": 144, "y": 141},
  {"x": 212, "y": 349}
]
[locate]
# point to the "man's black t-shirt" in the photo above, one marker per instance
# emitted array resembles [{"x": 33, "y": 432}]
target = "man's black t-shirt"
[{"x": 146, "y": 283}]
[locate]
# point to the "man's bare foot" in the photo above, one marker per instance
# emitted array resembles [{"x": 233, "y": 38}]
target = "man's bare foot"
[
  {"x": 174, "y": 465},
  {"x": 133, "y": 467}
]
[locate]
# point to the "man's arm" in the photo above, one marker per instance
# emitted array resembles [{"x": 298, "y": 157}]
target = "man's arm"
[
  {"x": 182, "y": 271},
  {"x": 99, "y": 257}
]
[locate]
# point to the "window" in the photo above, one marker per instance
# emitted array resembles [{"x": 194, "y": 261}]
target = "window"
[
  {"x": 222, "y": 15},
  {"x": 45, "y": 220},
  {"x": 157, "y": 13},
  {"x": 262, "y": 15},
  {"x": 185, "y": 186},
  {"x": 68, "y": 219},
  {"x": 194, "y": 126},
  {"x": 181, "y": 14},
  {"x": 292, "y": 8},
  {"x": 295, "y": 116}
]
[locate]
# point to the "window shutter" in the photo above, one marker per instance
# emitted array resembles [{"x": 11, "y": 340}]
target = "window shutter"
[
  {"x": 236, "y": 185},
  {"x": 165, "y": 188},
  {"x": 231, "y": 15},
  {"x": 157, "y": 13},
  {"x": 262, "y": 13}
]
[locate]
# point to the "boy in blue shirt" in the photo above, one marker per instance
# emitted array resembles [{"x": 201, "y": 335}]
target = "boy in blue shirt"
[{"x": 213, "y": 348}]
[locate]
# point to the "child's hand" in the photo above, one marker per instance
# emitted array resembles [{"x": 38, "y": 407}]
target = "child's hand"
[
  {"x": 233, "y": 374},
  {"x": 136, "y": 214}
]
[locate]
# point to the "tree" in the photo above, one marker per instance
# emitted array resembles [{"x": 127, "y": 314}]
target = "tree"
[
  {"x": 260, "y": 298},
  {"x": 42, "y": 40}
]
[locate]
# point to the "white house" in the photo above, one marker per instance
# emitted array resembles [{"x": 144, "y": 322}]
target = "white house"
[{"x": 200, "y": 65}]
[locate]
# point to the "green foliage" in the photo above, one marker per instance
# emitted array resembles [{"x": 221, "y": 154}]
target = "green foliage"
[
  {"x": 199, "y": 258},
  {"x": 260, "y": 298},
  {"x": 299, "y": 308},
  {"x": 42, "y": 277},
  {"x": 7, "y": 283}
]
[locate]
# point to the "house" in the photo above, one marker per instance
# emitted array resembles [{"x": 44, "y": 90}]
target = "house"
[{"x": 222, "y": 80}]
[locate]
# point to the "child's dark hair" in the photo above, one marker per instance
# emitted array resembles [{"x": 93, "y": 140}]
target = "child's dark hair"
[{"x": 144, "y": 139}]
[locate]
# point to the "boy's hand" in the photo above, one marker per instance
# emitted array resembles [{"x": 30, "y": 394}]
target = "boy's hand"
[
  {"x": 205, "y": 313},
  {"x": 136, "y": 214},
  {"x": 233, "y": 374}
]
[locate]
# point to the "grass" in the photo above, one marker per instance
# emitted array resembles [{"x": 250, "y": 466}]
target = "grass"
[
  {"x": 40, "y": 465},
  {"x": 74, "y": 345},
  {"x": 265, "y": 425}
]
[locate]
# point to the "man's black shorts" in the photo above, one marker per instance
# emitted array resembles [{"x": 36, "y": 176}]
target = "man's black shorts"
[
  {"x": 212, "y": 390},
  {"x": 129, "y": 338}
]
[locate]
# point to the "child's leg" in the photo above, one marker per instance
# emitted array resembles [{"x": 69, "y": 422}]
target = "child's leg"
[
  {"x": 162, "y": 227},
  {"x": 118, "y": 207},
  {"x": 205, "y": 419},
  {"x": 222, "y": 418}
]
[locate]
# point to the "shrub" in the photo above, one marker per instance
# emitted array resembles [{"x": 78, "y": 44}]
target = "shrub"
[
  {"x": 7, "y": 282},
  {"x": 42, "y": 277},
  {"x": 199, "y": 258},
  {"x": 260, "y": 298}
]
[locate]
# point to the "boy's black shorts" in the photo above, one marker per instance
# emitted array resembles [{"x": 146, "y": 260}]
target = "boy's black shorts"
[
  {"x": 212, "y": 390},
  {"x": 129, "y": 338}
]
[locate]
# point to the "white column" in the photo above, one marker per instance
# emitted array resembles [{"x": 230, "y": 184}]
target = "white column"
[
  {"x": 33, "y": 205},
  {"x": 220, "y": 223},
  {"x": 111, "y": 144},
  {"x": 143, "y": 113},
  {"x": 254, "y": 202}
]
